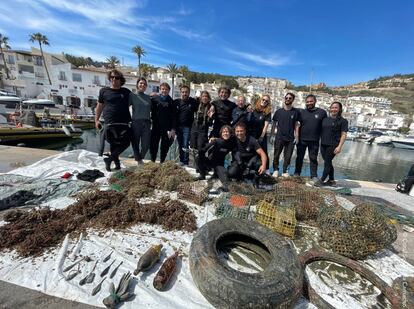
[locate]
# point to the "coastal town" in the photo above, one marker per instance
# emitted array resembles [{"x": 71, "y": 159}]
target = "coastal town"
[{"x": 68, "y": 85}]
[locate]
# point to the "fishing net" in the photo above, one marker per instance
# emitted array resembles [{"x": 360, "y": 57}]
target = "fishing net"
[
  {"x": 195, "y": 192},
  {"x": 357, "y": 233},
  {"x": 231, "y": 205},
  {"x": 279, "y": 219},
  {"x": 142, "y": 182},
  {"x": 307, "y": 201}
]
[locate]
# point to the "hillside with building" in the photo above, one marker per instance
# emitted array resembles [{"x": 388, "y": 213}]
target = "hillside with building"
[{"x": 381, "y": 104}]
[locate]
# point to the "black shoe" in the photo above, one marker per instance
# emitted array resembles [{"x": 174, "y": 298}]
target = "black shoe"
[
  {"x": 117, "y": 164},
  {"x": 319, "y": 183},
  {"x": 107, "y": 161},
  {"x": 331, "y": 183}
]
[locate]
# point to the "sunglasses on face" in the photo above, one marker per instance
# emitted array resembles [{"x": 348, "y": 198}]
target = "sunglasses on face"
[
  {"x": 288, "y": 98},
  {"x": 115, "y": 77},
  {"x": 265, "y": 101}
]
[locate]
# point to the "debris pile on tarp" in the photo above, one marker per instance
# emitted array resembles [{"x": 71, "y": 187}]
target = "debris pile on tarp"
[
  {"x": 17, "y": 190},
  {"x": 357, "y": 233},
  {"x": 30, "y": 233},
  {"x": 142, "y": 182}
]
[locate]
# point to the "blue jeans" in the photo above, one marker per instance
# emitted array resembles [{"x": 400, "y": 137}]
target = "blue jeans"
[{"x": 183, "y": 138}]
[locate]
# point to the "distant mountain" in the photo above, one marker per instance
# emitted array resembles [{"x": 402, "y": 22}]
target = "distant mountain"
[{"x": 399, "y": 88}]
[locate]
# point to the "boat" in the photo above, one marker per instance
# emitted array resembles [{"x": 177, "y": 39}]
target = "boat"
[
  {"x": 9, "y": 99},
  {"x": 11, "y": 135},
  {"x": 404, "y": 143},
  {"x": 38, "y": 103}
]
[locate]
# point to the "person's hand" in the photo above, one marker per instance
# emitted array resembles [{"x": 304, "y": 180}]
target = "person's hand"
[
  {"x": 211, "y": 139},
  {"x": 337, "y": 150},
  {"x": 272, "y": 139},
  {"x": 154, "y": 94},
  {"x": 295, "y": 140},
  {"x": 262, "y": 169},
  {"x": 171, "y": 134},
  {"x": 98, "y": 125}
]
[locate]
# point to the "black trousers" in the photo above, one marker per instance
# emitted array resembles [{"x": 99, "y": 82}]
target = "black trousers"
[
  {"x": 263, "y": 144},
  {"x": 199, "y": 137},
  {"x": 204, "y": 164},
  {"x": 243, "y": 169},
  {"x": 328, "y": 155},
  {"x": 287, "y": 148},
  {"x": 119, "y": 138},
  {"x": 141, "y": 136},
  {"x": 166, "y": 142},
  {"x": 313, "y": 149}
]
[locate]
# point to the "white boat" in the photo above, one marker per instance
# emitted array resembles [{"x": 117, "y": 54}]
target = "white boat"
[
  {"x": 404, "y": 143},
  {"x": 9, "y": 99},
  {"x": 38, "y": 103}
]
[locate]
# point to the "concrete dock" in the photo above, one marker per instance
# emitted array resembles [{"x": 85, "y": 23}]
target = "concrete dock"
[{"x": 12, "y": 296}]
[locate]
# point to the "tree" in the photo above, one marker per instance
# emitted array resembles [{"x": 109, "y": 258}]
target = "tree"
[
  {"x": 4, "y": 41},
  {"x": 173, "y": 70},
  {"x": 140, "y": 52},
  {"x": 112, "y": 62},
  {"x": 147, "y": 70},
  {"x": 41, "y": 39}
]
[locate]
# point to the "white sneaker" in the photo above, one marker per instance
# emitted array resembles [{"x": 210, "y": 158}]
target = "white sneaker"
[
  {"x": 275, "y": 174},
  {"x": 285, "y": 175}
]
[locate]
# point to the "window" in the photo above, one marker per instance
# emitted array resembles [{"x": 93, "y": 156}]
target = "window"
[
  {"x": 62, "y": 75},
  {"x": 10, "y": 59},
  {"x": 76, "y": 77},
  {"x": 96, "y": 80},
  {"x": 38, "y": 60}
]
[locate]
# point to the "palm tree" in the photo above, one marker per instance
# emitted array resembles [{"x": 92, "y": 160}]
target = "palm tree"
[
  {"x": 140, "y": 52},
  {"x": 112, "y": 62},
  {"x": 4, "y": 41},
  {"x": 173, "y": 70},
  {"x": 147, "y": 69},
  {"x": 41, "y": 39}
]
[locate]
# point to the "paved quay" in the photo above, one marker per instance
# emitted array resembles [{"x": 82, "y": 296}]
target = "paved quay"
[{"x": 13, "y": 296}]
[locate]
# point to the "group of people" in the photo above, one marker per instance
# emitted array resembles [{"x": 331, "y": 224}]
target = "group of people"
[{"x": 212, "y": 129}]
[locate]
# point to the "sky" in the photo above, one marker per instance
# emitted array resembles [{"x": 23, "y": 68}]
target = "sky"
[{"x": 332, "y": 41}]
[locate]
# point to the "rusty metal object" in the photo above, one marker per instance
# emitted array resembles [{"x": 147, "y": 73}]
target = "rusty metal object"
[
  {"x": 149, "y": 259},
  {"x": 165, "y": 273}
]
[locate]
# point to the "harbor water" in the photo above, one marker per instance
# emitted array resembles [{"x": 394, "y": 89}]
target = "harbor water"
[{"x": 357, "y": 160}]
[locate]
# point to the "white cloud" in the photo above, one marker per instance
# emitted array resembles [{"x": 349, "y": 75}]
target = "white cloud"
[
  {"x": 184, "y": 11},
  {"x": 236, "y": 64},
  {"x": 272, "y": 60}
]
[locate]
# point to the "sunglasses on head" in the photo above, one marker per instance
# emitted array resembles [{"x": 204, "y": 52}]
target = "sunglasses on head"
[{"x": 115, "y": 77}]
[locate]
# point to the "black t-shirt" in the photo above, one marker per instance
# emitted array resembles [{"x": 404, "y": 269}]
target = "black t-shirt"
[
  {"x": 115, "y": 105},
  {"x": 257, "y": 123},
  {"x": 332, "y": 129},
  {"x": 311, "y": 124},
  {"x": 247, "y": 149},
  {"x": 163, "y": 113},
  {"x": 223, "y": 111},
  {"x": 185, "y": 112},
  {"x": 286, "y": 123},
  {"x": 219, "y": 148}
]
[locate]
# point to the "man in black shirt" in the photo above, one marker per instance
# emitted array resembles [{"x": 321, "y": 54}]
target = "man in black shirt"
[
  {"x": 249, "y": 159},
  {"x": 186, "y": 107},
  {"x": 223, "y": 110},
  {"x": 163, "y": 123},
  {"x": 309, "y": 133},
  {"x": 286, "y": 121},
  {"x": 113, "y": 104}
]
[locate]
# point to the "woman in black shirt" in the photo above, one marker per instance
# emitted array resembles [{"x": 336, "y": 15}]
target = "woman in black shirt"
[
  {"x": 333, "y": 135},
  {"x": 214, "y": 153},
  {"x": 260, "y": 122},
  {"x": 202, "y": 121}
]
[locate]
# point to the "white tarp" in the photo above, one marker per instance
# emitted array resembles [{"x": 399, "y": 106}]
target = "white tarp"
[{"x": 45, "y": 273}]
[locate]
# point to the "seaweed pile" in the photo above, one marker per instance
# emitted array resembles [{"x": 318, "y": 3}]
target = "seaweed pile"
[
  {"x": 31, "y": 233},
  {"x": 142, "y": 182}
]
